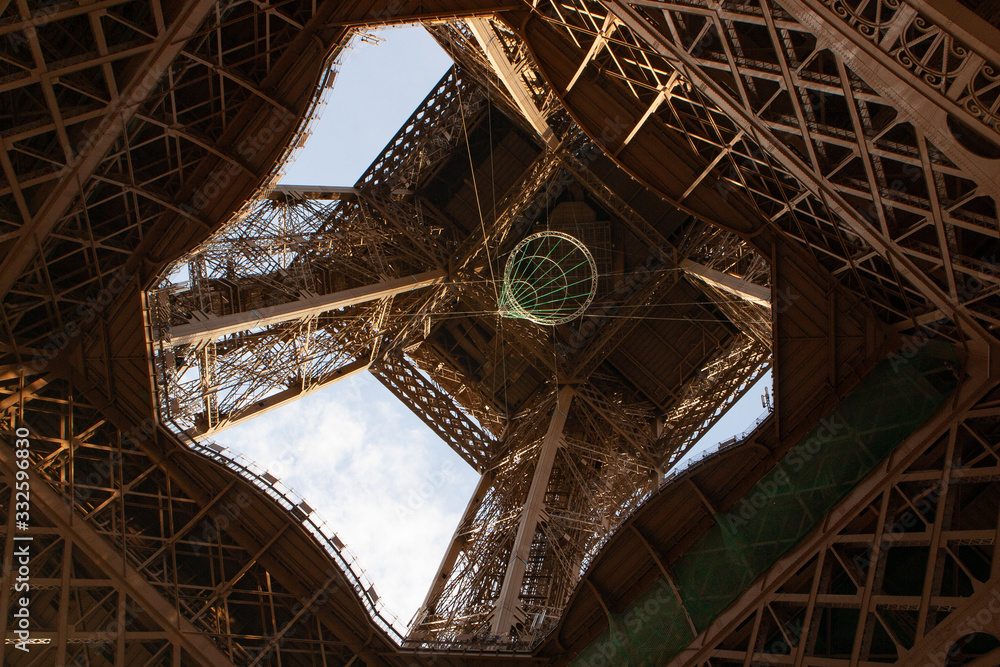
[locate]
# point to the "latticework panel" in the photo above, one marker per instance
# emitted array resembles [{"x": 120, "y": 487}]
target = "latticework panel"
[
  {"x": 901, "y": 212},
  {"x": 139, "y": 561}
]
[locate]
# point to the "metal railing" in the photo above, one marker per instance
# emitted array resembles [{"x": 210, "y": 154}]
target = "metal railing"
[
  {"x": 309, "y": 519},
  {"x": 722, "y": 446}
]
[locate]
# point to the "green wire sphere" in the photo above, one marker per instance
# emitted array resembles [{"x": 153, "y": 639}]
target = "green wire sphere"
[{"x": 550, "y": 278}]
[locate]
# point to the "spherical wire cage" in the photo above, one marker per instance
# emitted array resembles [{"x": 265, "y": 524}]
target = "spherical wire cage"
[{"x": 550, "y": 279}]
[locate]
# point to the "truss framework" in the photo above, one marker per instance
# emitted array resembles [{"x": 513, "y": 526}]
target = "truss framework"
[
  {"x": 286, "y": 248},
  {"x": 747, "y": 85},
  {"x": 126, "y": 105},
  {"x": 779, "y": 116},
  {"x": 129, "y": 540},
  {"x": 910, "y": 558}
]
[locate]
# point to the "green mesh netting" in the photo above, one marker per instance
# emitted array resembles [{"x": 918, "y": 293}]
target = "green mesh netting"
[
  {"x": 550, "y": 278},
  {"x": 788, "y": 502}
]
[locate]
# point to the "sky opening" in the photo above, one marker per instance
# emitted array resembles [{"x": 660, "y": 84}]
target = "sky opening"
[{"x": 389, "y": 486}]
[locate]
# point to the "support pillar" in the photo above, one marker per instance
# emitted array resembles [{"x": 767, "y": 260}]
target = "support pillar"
[
  {"x": 455, "y": 548},
  {"x": 729, "y": 284},
  {"x": 507, "y": 606}
]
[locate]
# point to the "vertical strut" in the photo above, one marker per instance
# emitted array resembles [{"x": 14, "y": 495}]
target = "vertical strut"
[{"x": 505, "y": 614}]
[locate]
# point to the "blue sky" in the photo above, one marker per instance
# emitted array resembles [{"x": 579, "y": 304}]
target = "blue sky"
[{"x": 385, "y": 482}]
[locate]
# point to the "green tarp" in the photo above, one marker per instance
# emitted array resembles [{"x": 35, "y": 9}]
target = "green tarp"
[{"x": 842, "y": 449}]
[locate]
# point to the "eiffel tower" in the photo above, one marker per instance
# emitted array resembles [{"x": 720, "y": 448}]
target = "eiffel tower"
[{"x": 804, "y": 187}]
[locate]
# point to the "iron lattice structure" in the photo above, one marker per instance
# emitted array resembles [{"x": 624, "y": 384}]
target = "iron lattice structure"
[
  {"x": 298, "y": 291},
  {"x": 906, "y": 175},
  {"x": 304, "y": 288},
  {"x": 829, "y": 176}
]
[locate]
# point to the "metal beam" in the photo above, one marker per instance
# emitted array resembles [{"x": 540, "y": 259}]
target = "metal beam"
[
  {"x": 283, "y": 192},
  {"x": 436, "y": 408},
  {"x": 982, "y": 378},
  {"x": 504, "y": 69},
  {"x": 728, "y": 283},
  {"x": 205, "y": 331},
  {"x": 455, "y": 547},
  {"x": 924, "y": 104},
  {"x": 280, "y": 399},
  {"x": 799, "y": 169},
  {"x": 506, "y": 610},
  {"x": 176, "y": 626}
]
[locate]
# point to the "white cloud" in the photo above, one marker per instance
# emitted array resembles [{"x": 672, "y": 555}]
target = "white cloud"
[{"x": 389, "y": 486}]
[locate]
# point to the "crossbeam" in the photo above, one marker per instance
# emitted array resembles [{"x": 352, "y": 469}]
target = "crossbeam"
[
  {"x": 481, "y": 30},
  {"x": 730, "y": 284},
  {"x": 437, "y": 409},
  {"x": 205, "y": 331},
  {"x": 176, "y": 626},
  {"x": 284, "y": 192},
  {"x": 282, "y": 398}
]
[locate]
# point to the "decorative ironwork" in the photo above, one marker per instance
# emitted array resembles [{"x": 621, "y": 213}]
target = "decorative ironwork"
[
  {"x": 130, "y": 142},
  {"x": 550, "y": 278}
]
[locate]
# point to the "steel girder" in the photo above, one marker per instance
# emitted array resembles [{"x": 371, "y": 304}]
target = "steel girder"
[
  {"x": 902, "y": 565},
  {"x": 837, "y": 184},
  {"x": 126, "y": 66},
  {"x": 58, "y": 537},
  {"x": 437, "y": 409},
  {"x": 117, "y": 157},
  {"x": 153, "y": 555}
]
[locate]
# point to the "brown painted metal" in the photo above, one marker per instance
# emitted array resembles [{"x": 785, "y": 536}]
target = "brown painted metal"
[{"x": 857, "y": 205}]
